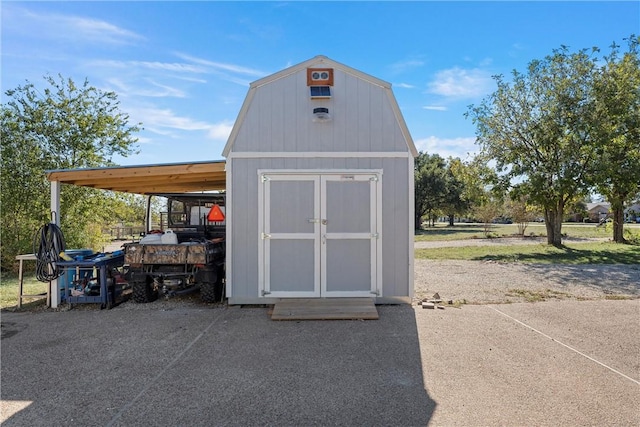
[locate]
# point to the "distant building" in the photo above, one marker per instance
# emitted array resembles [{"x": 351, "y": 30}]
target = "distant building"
[
  {"x": 632, "y": 213},
  {"x": 596, "y": 212}
]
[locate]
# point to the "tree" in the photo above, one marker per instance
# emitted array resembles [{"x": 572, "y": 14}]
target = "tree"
[
  {"x": 63, "y": 126},
  {"x": 476, "y": 182},
  {"x": 454, "y": 203},
  {"x": 438, "y": 188},
  {"x": 536, "y": 128},
  {"x": 430, "y": 185},
  {"x": 486, "y": 213},
  {"x": 520, "y": 211},
  {"x": 616, "y": 125},
  {"x": 22, "y": 201}
]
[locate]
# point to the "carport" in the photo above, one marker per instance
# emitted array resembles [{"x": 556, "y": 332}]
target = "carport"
[{"x": 139, "y": 179}]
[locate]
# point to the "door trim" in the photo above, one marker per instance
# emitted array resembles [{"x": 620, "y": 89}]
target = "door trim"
[
  {"x": 373, "y": 234},
  {"x": 266, "y": 235},
  {"x": 264, "y": 290}
]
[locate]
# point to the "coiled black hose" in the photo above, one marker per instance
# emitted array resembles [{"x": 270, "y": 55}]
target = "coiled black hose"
[{"x": 48, "y": 242}]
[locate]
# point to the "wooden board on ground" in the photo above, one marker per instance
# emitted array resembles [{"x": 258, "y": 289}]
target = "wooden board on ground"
[{"x": 325, "y": 309}]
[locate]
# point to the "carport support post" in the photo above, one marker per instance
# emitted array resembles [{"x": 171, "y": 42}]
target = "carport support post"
[
  {"x": 147, "y": 217},
  {"x": 55, "y": 218}
]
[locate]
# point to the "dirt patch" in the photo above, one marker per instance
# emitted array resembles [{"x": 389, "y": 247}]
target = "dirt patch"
[{"x": 482, "y": 282}]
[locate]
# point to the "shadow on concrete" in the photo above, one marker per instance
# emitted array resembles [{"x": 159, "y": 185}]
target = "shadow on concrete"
[
  {"x": 607, "y": 279},
  {"x": 199, "y": 365}
]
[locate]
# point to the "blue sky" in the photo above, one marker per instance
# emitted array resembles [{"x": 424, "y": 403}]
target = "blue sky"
[{"x": 183, "y": 68}]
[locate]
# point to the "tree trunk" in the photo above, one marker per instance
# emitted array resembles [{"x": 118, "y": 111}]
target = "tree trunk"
[
  {"x": 553, "y": 223},
  {"x": 451, "y": 217},
  {"x": 418, "y": 221},
  {"x": 618, "y": 224}
]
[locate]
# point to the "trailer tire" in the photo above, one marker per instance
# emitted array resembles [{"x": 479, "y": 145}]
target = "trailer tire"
[
  {"x": 209, "y": 280},
  {"x": 206, "y": 292},
  {"x": 211, "y": 291},
  {"x": 143, "y": 292}
]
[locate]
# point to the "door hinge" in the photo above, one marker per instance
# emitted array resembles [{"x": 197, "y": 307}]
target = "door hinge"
[
  {"x": 374, "y": 178},
  {"x": 265, "y": 292},
  {"x": 264, "y": 178},
  {"x": 375, "y": 235},
  {"x": 376, "y": 292},
  {"x": 265, "y": 236}
]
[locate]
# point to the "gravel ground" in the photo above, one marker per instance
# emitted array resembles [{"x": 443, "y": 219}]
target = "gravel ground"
[{"x": 482, "y": 282}]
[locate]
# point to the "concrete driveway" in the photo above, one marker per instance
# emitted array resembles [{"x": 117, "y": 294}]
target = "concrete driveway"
[{"x": 557, "y": 363}]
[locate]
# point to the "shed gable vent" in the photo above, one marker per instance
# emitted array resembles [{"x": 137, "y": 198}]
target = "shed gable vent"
[{"x": 319, "y": 76}]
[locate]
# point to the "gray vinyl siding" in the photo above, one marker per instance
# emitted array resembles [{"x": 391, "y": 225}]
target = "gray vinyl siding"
[
  {"x": 279, "y": 118},
  {"x": 245, "y": 221}
]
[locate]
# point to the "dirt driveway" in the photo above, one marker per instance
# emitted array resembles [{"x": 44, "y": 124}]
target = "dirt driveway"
[{"x": 481, "y": 282}]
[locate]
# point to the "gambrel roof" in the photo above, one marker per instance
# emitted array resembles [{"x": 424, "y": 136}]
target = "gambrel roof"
[{"x": 319, "y": 61}]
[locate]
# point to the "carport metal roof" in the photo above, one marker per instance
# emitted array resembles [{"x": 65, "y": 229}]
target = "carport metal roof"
[{"x": 148, "y": 179}]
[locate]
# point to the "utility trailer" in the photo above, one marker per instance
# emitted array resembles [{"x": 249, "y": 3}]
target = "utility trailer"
[
  {"x": 176, "y": 269},
  {"x": 195, "y": 262}
]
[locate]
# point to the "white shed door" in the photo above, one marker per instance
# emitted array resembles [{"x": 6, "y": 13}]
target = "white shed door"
[{"x": 320, "y": 235}]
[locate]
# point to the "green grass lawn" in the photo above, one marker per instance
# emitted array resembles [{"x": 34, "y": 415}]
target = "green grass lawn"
[
  {"x": 9, "y": 289},
  {"x": 579, "y": 253},
  {"x": 462, "y": 231}
]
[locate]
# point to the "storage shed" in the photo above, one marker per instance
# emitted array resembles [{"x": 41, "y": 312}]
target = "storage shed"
[{"x": 320, "y": 199}]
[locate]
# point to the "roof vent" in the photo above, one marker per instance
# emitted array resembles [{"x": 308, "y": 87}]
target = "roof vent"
[{"x": 319, "y": 76}]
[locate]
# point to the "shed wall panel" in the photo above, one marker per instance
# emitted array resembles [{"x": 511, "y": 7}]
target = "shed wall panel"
[{"x": 395, "y": 217}]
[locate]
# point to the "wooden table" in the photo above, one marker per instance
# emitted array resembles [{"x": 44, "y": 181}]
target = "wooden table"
[{"x": 22, "y": 258}]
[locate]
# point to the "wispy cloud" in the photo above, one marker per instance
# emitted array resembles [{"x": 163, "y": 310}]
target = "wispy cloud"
[
  {"x": 461, "y": 83},
  {"x": 404, "y": 85},
  {"x": 233, "y": 73},
  {"x": 55, "y": 26},
  {"x": 161, "y": 90},
  {"x": 146, "y": 87},
  {"x": 408, "y": 65},
  {"x": 435, "y": 107},
  {"x": 149, "y": 78},
  {"x": 516, "y": 49},
  {"x": 220, "y": 131},
  {"x": 150, "y": 65},
  {"x": 220, "y": 66},
  {"x": 164, "y": 121},
  {"x": 463, "y": 147}
]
